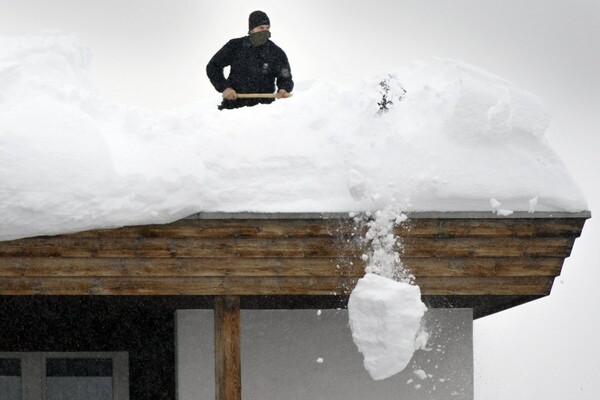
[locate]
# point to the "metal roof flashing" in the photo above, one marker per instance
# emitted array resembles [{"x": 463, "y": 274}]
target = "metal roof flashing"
[{"x": 410, "y": 214}]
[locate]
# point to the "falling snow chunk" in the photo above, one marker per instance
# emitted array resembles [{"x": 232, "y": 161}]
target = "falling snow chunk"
[
  {"x": 385, "y": 319},
  {"x": 320, "y": 360}
]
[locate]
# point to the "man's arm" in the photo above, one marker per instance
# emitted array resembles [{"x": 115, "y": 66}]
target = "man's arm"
[
  {"x": 214, "y": 68},
  {"x": 284, "y": 77}
]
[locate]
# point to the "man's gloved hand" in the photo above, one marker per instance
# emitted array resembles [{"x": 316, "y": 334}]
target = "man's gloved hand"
[
  {"x": 229, "y": 94},
  {"x": 280, "y": 94}
]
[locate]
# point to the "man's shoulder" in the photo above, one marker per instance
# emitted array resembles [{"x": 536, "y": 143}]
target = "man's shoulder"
[
  {"x": 274, "y": 45},
  {"x": 238, "y": 42},
  {"x": 275, "y": 49}
]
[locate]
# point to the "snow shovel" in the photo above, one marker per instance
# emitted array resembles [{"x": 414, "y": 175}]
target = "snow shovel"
[{"x": 260, "y": 95}]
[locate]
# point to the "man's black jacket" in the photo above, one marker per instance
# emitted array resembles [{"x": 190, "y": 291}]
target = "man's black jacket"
[{"x": 253, "y": 70}]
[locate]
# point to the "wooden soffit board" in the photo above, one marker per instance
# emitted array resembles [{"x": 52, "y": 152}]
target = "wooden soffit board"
[{"x": 451, "y": 255}]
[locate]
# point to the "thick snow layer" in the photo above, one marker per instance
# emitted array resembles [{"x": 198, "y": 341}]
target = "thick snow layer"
[
  {"x": 385, "y": 319},
  {"x": 454, "y": 138}
]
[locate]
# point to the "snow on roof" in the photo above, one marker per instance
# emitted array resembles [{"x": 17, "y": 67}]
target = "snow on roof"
[{"x": 454, "y": 138}]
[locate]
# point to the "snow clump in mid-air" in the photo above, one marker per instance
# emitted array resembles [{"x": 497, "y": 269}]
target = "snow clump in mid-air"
[{"x": 385, "y": 319}]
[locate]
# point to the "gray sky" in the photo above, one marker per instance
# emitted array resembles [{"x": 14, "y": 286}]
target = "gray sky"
[{"x": 152, "y": 53}]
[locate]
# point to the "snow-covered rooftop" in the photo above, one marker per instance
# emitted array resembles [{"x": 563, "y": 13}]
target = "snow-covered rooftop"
[{"x": 456, "y": 138}]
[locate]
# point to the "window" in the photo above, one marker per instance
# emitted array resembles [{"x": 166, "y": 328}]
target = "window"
[
  {"x": 64, "y": 376},
  {"x": 10, "y": 378}
]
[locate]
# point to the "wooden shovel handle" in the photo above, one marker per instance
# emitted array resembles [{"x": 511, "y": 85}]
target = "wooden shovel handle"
[{"x": 260, "y": 95}]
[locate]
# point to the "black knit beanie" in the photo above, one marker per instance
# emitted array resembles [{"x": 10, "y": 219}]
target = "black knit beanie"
[{"x": 257, "y": 18}]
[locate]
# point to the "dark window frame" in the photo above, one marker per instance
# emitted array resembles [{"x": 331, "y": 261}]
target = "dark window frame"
[{"x": 33, "y": 371}]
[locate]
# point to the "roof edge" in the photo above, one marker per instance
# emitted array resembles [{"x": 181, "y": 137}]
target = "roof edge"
[{"x": 411, "y": 214}]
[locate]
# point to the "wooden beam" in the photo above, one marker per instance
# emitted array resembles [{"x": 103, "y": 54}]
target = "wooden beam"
[
  {"x": 215, "y": 229},
  {"x": 492, "y": 228},
  {"x": 228, "y": 378},
  {"x": 179, "y": 267},
  {"x": 262, "y": 286},
  {"x": 282, "y": 248},
  {"x": 273, "y": 267}
]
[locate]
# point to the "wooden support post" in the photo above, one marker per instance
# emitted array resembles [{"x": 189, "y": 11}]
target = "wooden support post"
[{"x": 227, "y": 348}]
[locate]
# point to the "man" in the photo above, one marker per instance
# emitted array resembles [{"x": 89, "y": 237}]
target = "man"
[{"x": 257, "y": 64}]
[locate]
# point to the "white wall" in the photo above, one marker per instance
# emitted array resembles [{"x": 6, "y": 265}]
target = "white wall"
[{"x": 280, "y": 349}]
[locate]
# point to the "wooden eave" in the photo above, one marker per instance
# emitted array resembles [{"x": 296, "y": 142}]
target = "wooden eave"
[{"x": 477, "y": 260}]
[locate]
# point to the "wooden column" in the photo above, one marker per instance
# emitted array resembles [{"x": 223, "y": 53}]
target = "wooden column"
[{"x": 227, "y": 348}]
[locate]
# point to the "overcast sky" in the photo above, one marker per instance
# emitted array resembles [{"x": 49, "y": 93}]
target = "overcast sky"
[{"x": 153, "y": 53}]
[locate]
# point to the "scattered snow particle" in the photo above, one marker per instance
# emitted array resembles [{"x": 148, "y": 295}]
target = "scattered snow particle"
[
  {"x": 401, "y": 218},
  {"x": 318, "y": 312},
  {"x": 418, "y": 386},
  {"x": 504, "y": 212},
  {"x": 532, "y": 203},
  {"x": 495, "y": 204},
  {"x": 408, "y": 382},
  {"x": 364, "y": 257},
  {"x": 496, "y": 208},
  {"x": 420, "y": 374},
  {"x": 422, "y": 338},
  {"x": 320, "y": 360}
]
